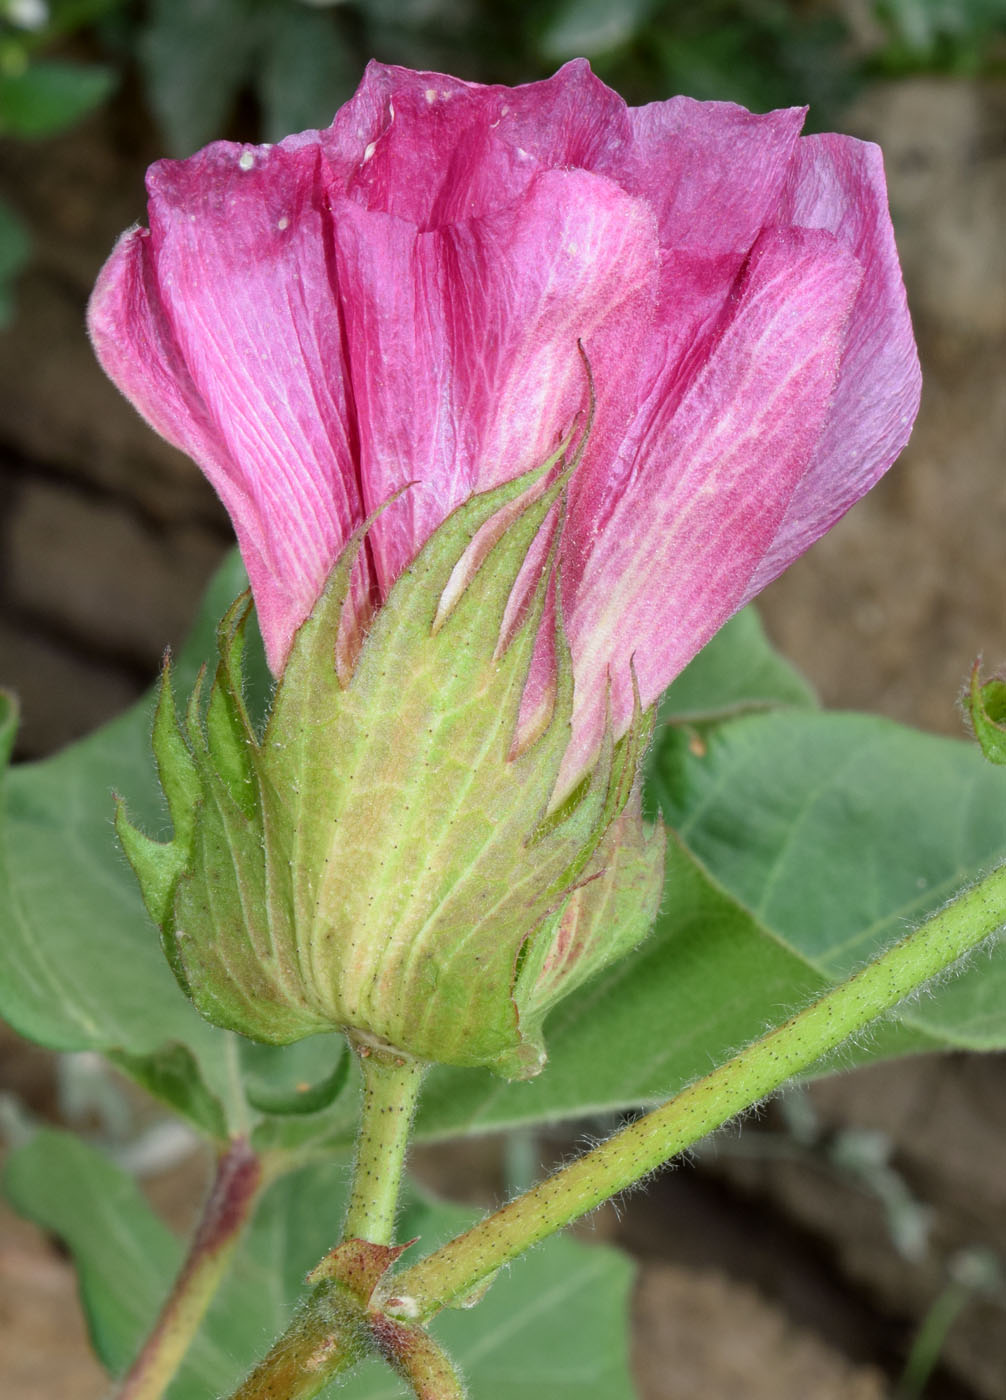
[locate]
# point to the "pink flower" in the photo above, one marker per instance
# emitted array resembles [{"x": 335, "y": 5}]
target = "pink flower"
[{"x": 400, "y": 299}]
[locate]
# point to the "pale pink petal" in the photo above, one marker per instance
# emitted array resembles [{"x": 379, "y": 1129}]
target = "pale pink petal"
[
  {"x": 713, "y": 173},
  {"x": 713, "y": 480},
  {"x": 837, "y": 183},
  {"x": 241, "y": 286},
  {"x": 134, "y": 341},
  {"x": 464, "y": 342}
]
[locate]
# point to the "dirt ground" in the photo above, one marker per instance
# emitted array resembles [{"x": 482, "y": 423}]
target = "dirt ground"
[{"x": 769, "y": 1268}]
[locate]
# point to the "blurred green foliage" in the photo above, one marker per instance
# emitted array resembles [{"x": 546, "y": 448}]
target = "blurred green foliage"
[
  {"x": 39, "y": 95},
  {"x": 966, "y": 37},
  {"x": 15, "y": 246},
  {"x": 262, "y": 68}
]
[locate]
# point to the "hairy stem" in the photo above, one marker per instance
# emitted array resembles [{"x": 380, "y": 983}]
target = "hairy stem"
[
  {"x": 317, "y": 1347},
  {"x": 236, "y": 1187},
  {"x": 321, "y": 1343},
  {"x": 428, "y": 1371},
  {"x": 460, "y": 1266},
  {"x": 391, "y": 1086},
  {"x": 330, "y": 1334}
]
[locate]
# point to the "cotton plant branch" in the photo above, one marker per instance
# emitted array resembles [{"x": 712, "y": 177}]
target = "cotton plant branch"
[
  {"x": 322, "y": 1342},
  {"x": 237, "y": 1186}
]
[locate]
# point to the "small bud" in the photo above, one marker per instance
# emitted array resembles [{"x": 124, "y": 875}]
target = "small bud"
[{"x": 985, "y": 704}]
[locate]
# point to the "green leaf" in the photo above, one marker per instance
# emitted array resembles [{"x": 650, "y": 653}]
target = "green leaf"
[
  {"x": 50, "y": 96},
  {"x": 196, "y": 55},
  {"x": 306, "y": 71},
  {"x": 738, "y": 670},
  {"x": 853, "y": 827},
  {"x": 8, "y": 727},
  {"x": 554, "y": 1324},
  {"x": 805, "y": 842},
  {"x": 122, "y": 1252},
  {"x": 284, "y": 1084},
  {"x": 81, "y": 966},
  {"x": 172, "y": 1075}
]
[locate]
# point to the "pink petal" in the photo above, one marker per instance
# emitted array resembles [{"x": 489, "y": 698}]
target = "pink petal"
[
  {"x": 837, "y": 183},
  {"x": 433, "y": 150},
  {"x": 224, "y": 330},
  {"x": 712, "y": 480},
  {"x": 713, "y": 174},
  {"x": 464, "y": 341},
  {"x": 712, "y": 171}
]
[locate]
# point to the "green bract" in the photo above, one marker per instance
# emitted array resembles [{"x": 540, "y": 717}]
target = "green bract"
[{"x": 380, "y": 859}]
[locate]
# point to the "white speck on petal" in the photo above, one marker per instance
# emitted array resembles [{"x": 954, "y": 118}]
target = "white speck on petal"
[
  {"x": 247, "y": 160},
  {"x": 430, "y": 94},
  {"x": 369, "y": 150},
  {"x": 283, "y": 223}
]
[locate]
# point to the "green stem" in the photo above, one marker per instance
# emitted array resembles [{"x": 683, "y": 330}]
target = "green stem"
[
  {"x": 460, "y": 1266},
  {"x": 236, "y": 1187},
  {"x": 412, "y": 1352},
  {"x": 391, "y": 1086},
  {"x": 320, "y": 1344},
  {"x": 334, "y": 1331}
]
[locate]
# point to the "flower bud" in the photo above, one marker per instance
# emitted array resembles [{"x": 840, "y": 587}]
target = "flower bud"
[
  {"x": 383, "y": 858},
  {"x": 985, "y": 706}
]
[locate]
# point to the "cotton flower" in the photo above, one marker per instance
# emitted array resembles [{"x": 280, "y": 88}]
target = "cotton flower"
[
  {"x": 400, "y": 299},
  {"x": 684, "y": 322}
]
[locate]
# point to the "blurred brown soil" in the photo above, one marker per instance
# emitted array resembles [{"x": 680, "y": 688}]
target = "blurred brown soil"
[{"x": 763, "y": 1275}]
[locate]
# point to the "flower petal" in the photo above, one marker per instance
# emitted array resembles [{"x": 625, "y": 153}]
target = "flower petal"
[
  {"x": 231, "y": 345},
  {"x": 837, "y": 183},
  {"x": 434, "y": 150},
  {"x": 712, "y": 171},
  {"x": 463, "y": 341},
  {"x": 713, "y": 479}
]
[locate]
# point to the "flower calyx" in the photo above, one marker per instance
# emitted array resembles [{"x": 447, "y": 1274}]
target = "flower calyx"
[{"x": 382, "y": 857}]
